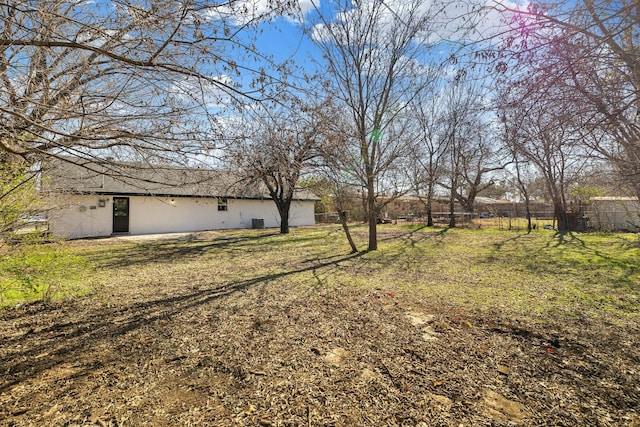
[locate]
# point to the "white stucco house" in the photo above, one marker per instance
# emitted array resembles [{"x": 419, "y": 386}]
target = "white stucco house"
[{"x": 93, "y": 199}]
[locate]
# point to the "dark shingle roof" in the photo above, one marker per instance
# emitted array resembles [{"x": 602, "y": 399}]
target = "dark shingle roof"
[{"x": 77, "y": 176}]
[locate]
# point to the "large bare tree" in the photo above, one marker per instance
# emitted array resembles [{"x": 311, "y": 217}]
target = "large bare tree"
[
  {"x": 377, "y": 59},
  {"x": 470, "y": 146},
  {"x": 275, "y": 145},
  {"x": 426, "y": 162},
  {"x": 589, "y": 51},
  {"x": 134, "y": 78},
  {"x": 547, "y": 134}
]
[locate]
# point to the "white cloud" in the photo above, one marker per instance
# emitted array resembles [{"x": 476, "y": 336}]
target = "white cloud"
[
  {"x": 242, "y": 12},
  {"x": 448, "y": 20},
  {"x": 305, "y": 6},
  {"x": 473, "y": 20}
]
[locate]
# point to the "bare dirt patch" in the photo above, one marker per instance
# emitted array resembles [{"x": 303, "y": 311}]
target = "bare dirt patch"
[{"x": 272, "y": 349}]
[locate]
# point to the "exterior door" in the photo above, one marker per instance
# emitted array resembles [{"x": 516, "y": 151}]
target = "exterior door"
[{"x": 120, "y": 214}]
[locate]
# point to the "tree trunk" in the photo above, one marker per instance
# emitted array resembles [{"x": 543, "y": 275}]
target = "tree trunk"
[
  {"x": 471, "y": 199},
  {"x": 429, "y": 220},
  {"x": 373, "y": 231},
  {"x": 452, "y": 210},
  {"x": 527, "y": 207},
  {"x": 561, "y": 217},
  {"x": 343, "y": 220},
  {"x": 283, "y": 210},
  {"x": 372, "y": 216}
]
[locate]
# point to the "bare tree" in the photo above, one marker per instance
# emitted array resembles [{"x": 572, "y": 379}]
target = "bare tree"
[
  {"x": 96, "y": 83},
  {"x": 548, "y": 137},
  {"x": 276, "y": 145},
  {"x": 519, "y": 162},
  {"x": 426, "y": 160},
  {"x": 471, "y": 153},
  {"x": 376, "y": 55},
  {"x": 481, "y": 159},
  {"x": 590, "y": 52},
  {"x": 119, "y": 78}
]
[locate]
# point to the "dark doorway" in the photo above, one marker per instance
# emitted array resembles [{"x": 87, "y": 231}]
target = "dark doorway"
[{"x": 120, "y": 214}]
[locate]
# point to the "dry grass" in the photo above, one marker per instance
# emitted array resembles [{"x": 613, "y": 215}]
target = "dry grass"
[{"x": 439, "y": 327}]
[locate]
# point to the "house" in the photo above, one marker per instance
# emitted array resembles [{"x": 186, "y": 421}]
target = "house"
[
  {"x": 100, "y": 198},
  {"x": 614, "y": 213}
]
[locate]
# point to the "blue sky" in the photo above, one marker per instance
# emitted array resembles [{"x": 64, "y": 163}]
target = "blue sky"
[
  {"x": 283, "y": 37},
  {"x": 285, "y": 40}
]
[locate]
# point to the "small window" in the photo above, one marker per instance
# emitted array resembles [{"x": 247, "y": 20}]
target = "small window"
[{"x": 222, "y": 204}]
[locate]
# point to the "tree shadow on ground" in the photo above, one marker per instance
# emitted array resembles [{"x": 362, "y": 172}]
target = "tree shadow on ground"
[
  {"x": 167, "y": 251},
  {"x": 566, "y": 238},
  {"x": 415, "y": 235},
  {"x": 26, "y": 354},
  {"x": 572, "y": 241},
  {"x": 500, "y": 245}
]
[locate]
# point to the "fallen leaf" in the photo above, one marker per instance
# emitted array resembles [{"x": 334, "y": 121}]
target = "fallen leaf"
[
  {"x": 367, "y": 374},
  {"x": 265, "y": 422},
  {"x": 443, "y": 401},
  {"x": 500, "y": 407},
  {"x": 504, "y": 369},
  {"x": 336, "y": 356},
  {"x": 55, "y": 408}
]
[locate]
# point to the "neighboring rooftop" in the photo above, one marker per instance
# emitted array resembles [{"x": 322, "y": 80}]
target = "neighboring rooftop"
[{"x": 615, "y": 198}]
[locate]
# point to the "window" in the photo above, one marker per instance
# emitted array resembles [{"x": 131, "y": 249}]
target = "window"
[{"x": 222, "y": 205}]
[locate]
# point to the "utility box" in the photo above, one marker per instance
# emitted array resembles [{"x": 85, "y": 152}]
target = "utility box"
[{"x": 257, "y": 223}]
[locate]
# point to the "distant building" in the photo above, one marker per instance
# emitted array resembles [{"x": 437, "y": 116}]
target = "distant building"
[{"x": 614, "y": 214}]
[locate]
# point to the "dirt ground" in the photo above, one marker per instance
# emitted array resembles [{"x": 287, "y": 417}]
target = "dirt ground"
[{"x": 256, "y": 354}]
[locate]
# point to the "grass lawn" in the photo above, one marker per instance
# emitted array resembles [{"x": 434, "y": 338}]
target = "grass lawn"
[{"x": 437, "y": 327}]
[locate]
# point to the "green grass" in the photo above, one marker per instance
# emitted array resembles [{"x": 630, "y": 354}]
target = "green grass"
[
  {"x": 44, "y": 272},
  {"x": 542, "y": 273}
]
